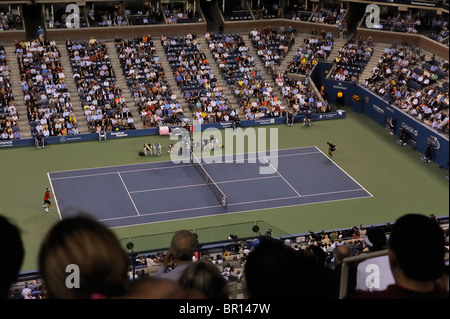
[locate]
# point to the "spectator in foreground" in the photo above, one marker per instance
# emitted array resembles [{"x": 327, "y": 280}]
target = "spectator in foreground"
[
  {"x": 417, "y": 268},
  {"x": 205, "y": 277},
  {"x": 12, "y": 255},
  {"x": 83, "y": 242},
  {"x": 179, "y": 256},
  {"x": 274, "y": 270}
]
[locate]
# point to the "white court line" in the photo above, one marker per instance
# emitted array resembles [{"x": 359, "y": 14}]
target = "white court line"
[
  {"x": 129, "y": 171},
  {"x": 290, "y": 197},
  {"x": 54, "y": 197},
  {"x": 270, "y": 164},
  {"x": 226, "y": 156},
  {"x": 206, "y": 207},
  {"x": 203, "y": 184},
  {"x": 165, "y": 167},
  {"x": 163, "y": 212},
  {"x": 344, "y": 172},
  {"x": 244, "y": 203},
  {"x": 299, "y": 154},
  {"x": 129, "y": 195},
  {"x": 230, "y": 213}
]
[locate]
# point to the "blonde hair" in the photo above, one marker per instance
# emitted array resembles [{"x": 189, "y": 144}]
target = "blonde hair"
[
  {"x": 205, "y": 277},
  {"x": 88, "y": 244}
]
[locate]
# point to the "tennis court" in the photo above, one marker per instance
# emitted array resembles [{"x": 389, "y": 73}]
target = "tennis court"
[{"x": 162, "y": 191}]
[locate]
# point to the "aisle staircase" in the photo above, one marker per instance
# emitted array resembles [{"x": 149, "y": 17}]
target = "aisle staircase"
[
  {"x": 159, "y": 50},
  {"x": 16, "y": 88},
  {"x": 72, "y": 88},
  {"x": 378, "y": 50},
  {"x": 122, "y": 83}
]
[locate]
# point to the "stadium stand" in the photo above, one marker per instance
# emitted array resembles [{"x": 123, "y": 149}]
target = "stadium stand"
[
  {"x": 253, "y": 92},
  {"x": 352, "y": 60},
  {"x": 146, "y": 79},
  {"x": 415, "y": 86},
  {"x": 230, "y": 255},
  {"x": 103, "y": 102},
  {"x": 9, "y": 117},
  {"x": 314, "y": 48},
  {"x": 193, "y": 74},
  {"x": 404, "y": 76},
  {"x": 48, "y": 102}
]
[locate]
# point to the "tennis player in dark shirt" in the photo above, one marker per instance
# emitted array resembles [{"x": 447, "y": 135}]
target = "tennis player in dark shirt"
[{"x": 331, "y": 148}]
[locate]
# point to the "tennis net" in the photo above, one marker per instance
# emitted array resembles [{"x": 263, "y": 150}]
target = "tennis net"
[{"x": 221, "y": 197}]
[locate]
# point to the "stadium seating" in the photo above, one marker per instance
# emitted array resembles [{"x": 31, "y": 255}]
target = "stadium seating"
[
  {"x": 196, "y": 79},
  {"x": 146, "y": 79},
  {"x": 102, "y": 99},
  {"x": 9, "y": 117},
  {"x": 45, "y": 92}
]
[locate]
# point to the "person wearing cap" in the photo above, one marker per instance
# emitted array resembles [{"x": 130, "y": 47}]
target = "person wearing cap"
[{"x": 47, "y": 202}]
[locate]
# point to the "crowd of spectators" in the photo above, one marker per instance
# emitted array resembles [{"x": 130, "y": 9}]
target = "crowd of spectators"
[
  {"x": 300, "y": 97},
  {"x": 9, "y": 118},
  {"x": 406, "y": 23},
  {"x": 329, "y": 15},
  {"x": 268, "y": 9},
  {"x": 300, "y": 15},
  {"x": 315, "y": 48},
  {"x": 402, "y": 81},
  {"x": 43, "y": 82},
  {"x": 101, "y": 97},
  {"x": 180, "y": 15},
  {"x": 439, "y": 29},
  {"x": 201, "y": 89},
  {"x": 272, "y": 46},
  {"x": 9, "y": 20},
  {"x": 352, "y": 59},
  {"x": 152, "y": 94},
  {"x": 253, "y": 93},
  {"x": 107, "y": 16},
  {"x": 144, "y": 16},
  {"x": 308, "y": 266}
]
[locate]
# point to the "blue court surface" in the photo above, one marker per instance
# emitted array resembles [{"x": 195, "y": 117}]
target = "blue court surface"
[{"x": 154, "y": 192}]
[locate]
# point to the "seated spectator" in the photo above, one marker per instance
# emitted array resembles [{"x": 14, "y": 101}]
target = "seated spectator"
[
  {"x": 82, "y": 241},
  {"x": 416, "y": 268},
  {"x": 206, "y": 278},
  {"x": 178, "y": 257},
  {"x": 12, "y": 255},
  {"x": 45, "y": 92},
  {"x": 274, "y": 270}
]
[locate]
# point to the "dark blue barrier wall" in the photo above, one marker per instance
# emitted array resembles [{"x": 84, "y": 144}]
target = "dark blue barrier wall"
[
  {"x": 380, "y": 111},
  {"x": 155, "y": 131}
]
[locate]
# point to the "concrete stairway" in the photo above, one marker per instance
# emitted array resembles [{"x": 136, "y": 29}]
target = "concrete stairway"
[
  {"x": 72, "y": 88},
  {"x": 122, "y": 83},
  {"x": 378, "y": 50},
  {"x": 16, "y": 88},
  {"x": 288, "y": 58},
  {"x": 159, "y": 50},
  {"x": 338, "y": 44}
]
